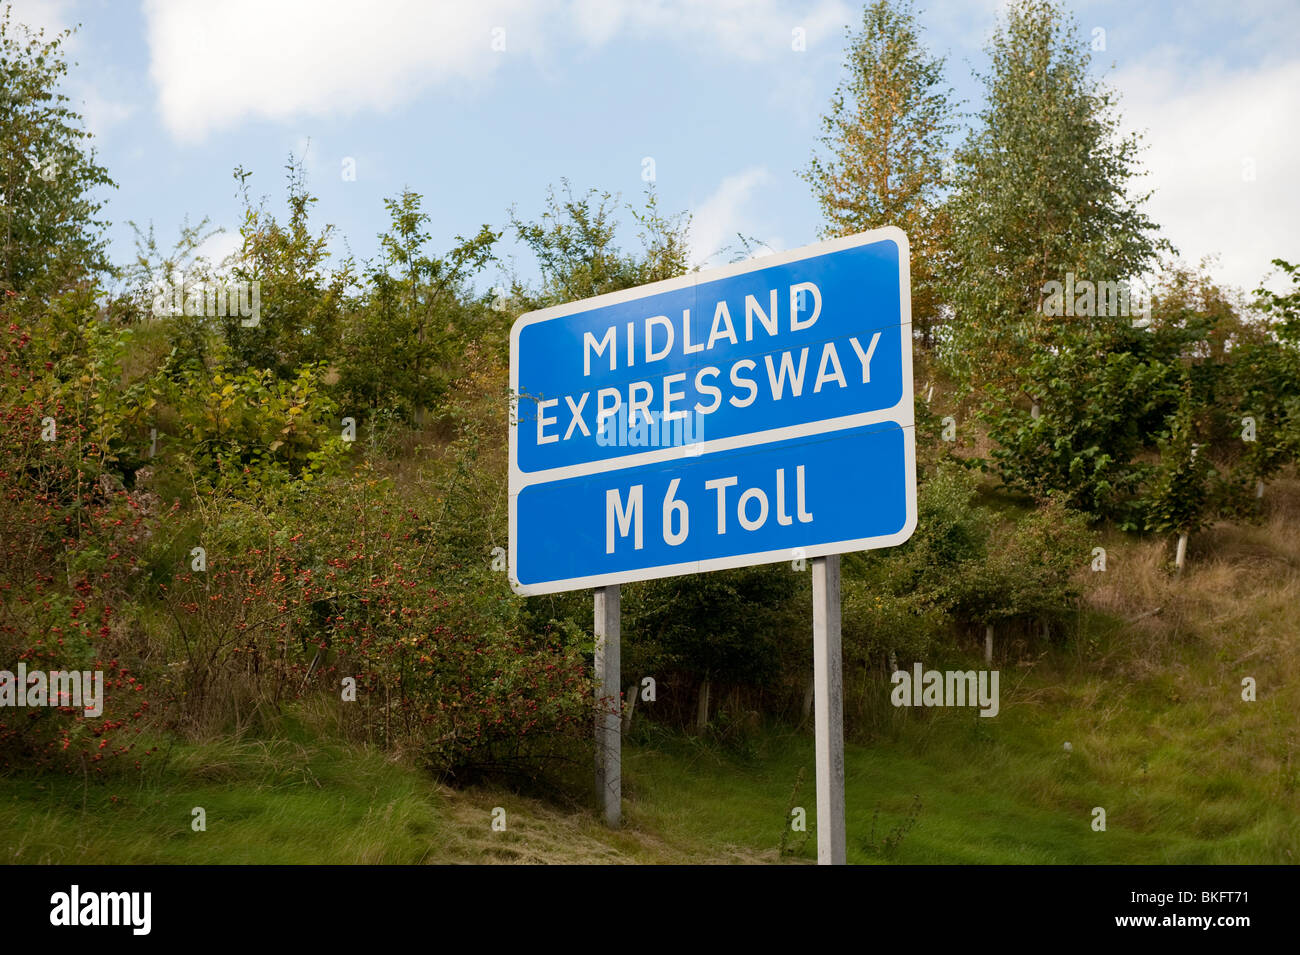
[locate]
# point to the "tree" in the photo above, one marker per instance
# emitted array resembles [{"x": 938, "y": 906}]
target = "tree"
[
  {"x": 1098, "y": 402},
  {"x": 1104, "y": 400},
  {"x": 50, "y": 233},
  {"x": 896, "y": 600},
  {"x": 1178, "y": 500},
  {"x": 405, "y": 341},
  {"x": 301, "y": 300},
  {"x": 1026, "y": 575},
  {"x": 1045, "y": 191},
  {"x": 721, "y": 627},
  {"x": 1244, "y": 383},
  {"x": 885, "y": 141},
  {"x": 1252, "y": 377},
  {"x": 1283, "y": 307},
  {"x": 578, "y": 254}
]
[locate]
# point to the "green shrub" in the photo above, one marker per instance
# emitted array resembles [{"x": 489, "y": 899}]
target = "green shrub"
[{"x": 71, "y": 540}]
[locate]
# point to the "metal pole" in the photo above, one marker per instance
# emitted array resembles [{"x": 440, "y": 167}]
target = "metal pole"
[
  {"x": 609, "y": 739},
  {"x": 828, "y": 677}
]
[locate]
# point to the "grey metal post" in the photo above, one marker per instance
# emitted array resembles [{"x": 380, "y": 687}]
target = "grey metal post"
[
  {"x": 609, "y": 738},
  {"x": 828, "y": 676}
]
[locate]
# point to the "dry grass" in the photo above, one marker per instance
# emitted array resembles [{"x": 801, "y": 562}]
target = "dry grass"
[
  {"x": 1234, "y": 595},
  {"x": 538, "y": 832}
]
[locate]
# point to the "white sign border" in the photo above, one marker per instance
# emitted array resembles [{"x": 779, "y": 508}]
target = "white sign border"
[{"x": 903, "y": 413}]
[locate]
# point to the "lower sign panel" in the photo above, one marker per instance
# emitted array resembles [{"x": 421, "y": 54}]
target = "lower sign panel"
[{"x": 806, "y": 497}]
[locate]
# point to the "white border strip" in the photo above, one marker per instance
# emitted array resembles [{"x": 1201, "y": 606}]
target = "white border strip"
[{"x": 902, "y": 413}]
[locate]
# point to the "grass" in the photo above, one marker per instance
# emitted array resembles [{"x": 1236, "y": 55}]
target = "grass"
[
  {"x": 1161, "y": 739},
  {"x": 284, "y": 802},
  {"x": 1005, "y": 790},
  {"x": 265, "y": 801}
]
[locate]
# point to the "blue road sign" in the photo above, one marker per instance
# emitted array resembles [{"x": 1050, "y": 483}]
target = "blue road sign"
[{"x": 755, "y": 413}]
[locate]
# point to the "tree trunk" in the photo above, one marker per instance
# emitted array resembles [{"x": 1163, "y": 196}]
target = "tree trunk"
[
  {"x": 1180, "y": 558},
  {"x": 988, "y": 643},
  {"x": 702, "y": 710},
  {"x": 630, "y": 696},
  {"x": 808, "y": 691}
]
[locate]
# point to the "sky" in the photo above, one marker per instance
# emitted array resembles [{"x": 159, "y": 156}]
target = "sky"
[{"x": 480, "y": 106}]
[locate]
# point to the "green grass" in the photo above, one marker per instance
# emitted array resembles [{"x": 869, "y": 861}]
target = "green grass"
[
  {"x": 1161, "y": 739},
  {"x": 265, "y": 802},
  {"x": 1003, "y": 792},
  {"x": 1177, "y": 786},
  {"x": 1186, "y": 771}
]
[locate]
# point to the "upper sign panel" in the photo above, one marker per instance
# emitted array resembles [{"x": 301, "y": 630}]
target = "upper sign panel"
[{"x": 788, "y": 344}]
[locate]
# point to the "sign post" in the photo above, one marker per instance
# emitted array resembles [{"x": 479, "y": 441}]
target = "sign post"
[
  {"x": 751, "y": 414},
  {"x": 828, "y": 702},
  {"x": 609, "y": 729}
]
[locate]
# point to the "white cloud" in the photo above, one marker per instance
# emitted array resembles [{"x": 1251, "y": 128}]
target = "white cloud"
[
  {"x": 1204, "y": 130},
  {"x": 216, "y": 64},
  {"x": 717, "y": 220}
]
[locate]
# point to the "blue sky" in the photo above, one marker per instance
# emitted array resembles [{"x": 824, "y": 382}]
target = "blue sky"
[{"x": 421, "y": 95}]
